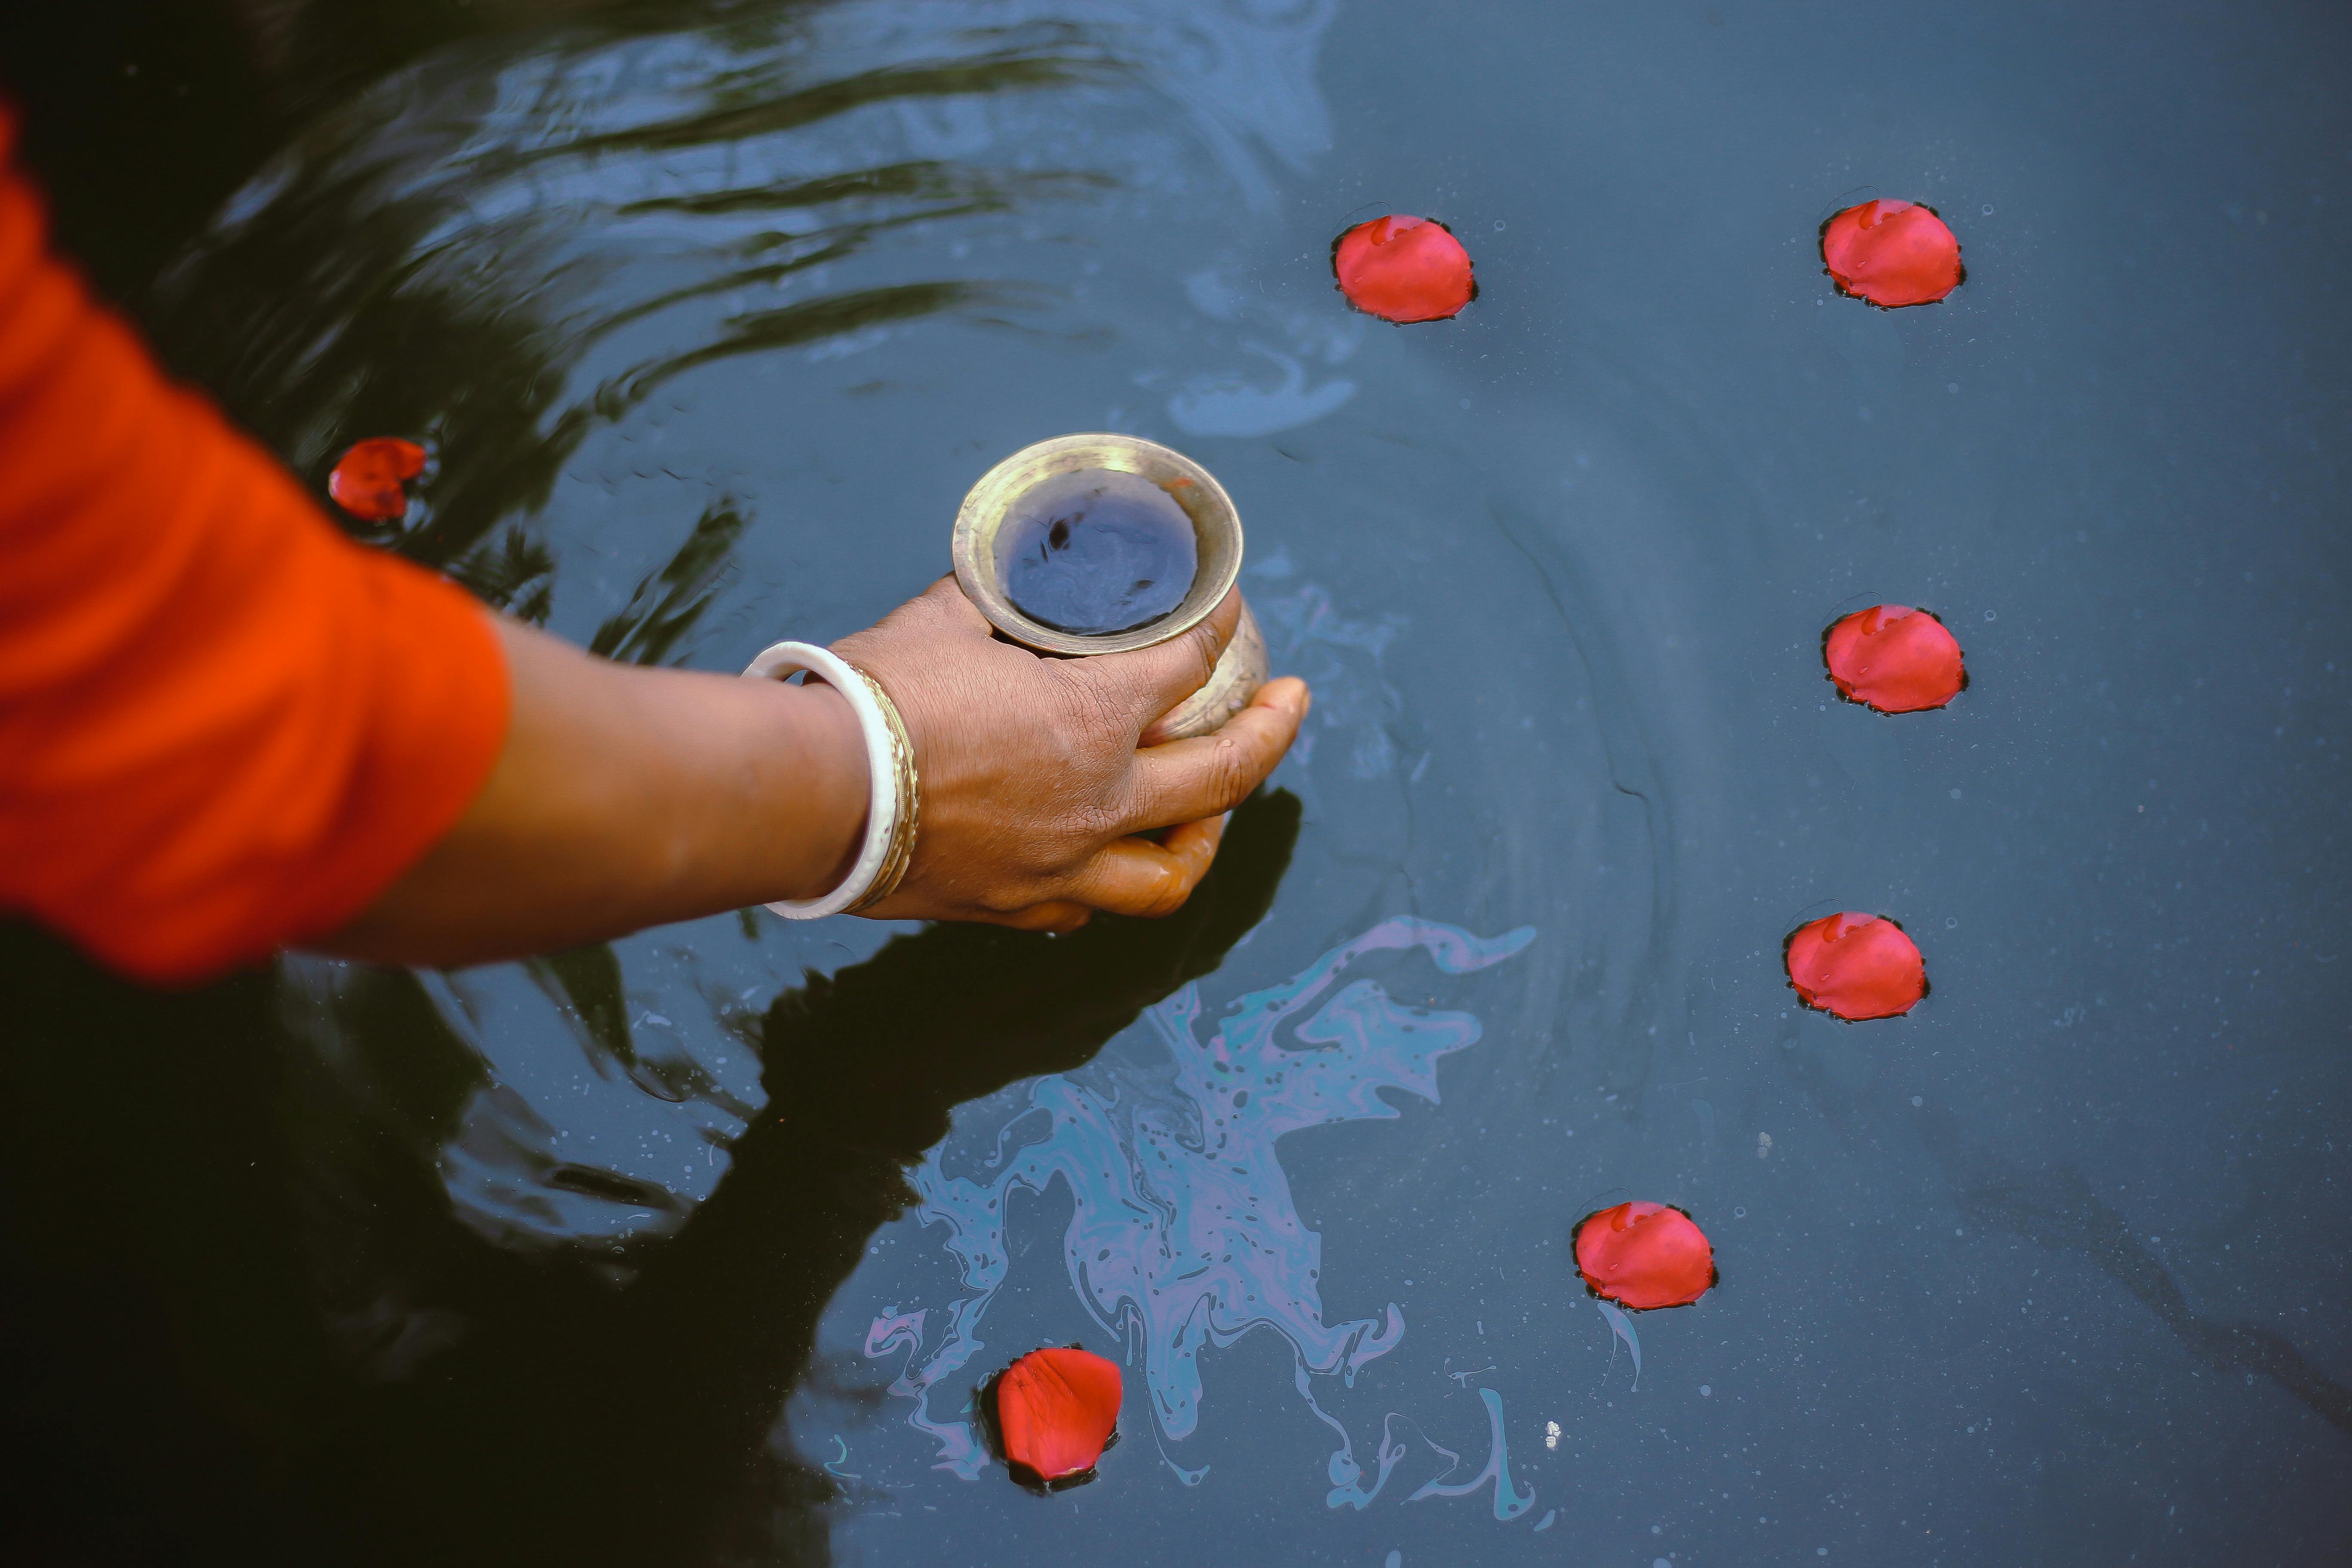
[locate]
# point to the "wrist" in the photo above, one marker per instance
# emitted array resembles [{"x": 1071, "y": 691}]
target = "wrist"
[
  {"x": 893, "y": 805},
  {"x": 826, "y": 792}
]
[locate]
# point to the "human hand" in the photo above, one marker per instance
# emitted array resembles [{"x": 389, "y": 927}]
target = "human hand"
[{"x": 1033, "y": 789}]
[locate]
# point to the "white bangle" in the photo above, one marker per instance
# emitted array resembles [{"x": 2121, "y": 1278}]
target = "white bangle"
[{"x": 894, "y": 799}]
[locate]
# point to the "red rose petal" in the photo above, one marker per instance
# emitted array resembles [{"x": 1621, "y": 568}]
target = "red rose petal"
[
  {"x": 367, "y": 479},
  {"x": 1056, "y": 1410},
  {"x": 1403, "y": 269},
  {"x": 1892, "y": 253},
  {"x": 1645, "y": 1254},
  {"x": 1894, "y": 658},
  {"x": 1857, "y": 966}
]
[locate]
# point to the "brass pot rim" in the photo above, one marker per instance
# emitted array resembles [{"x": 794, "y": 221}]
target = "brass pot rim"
[{"x": 1217, "y": 530}]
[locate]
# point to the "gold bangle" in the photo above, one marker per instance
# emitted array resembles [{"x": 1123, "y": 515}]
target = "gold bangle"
[
  {"x": 893, "y": 803},
  {"x": 901, "y": 852}
]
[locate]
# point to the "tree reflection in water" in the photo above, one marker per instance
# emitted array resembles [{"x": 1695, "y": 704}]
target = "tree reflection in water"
[
  {"x": 250, "y": 1312},
  {"x": 506, "y": 252}
]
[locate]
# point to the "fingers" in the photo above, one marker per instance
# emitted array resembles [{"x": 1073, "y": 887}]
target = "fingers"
[
  {"x": 1187, "y": 780},
  {"x": 1150, "y": 681},
  {"x": 1195, "y": 844},
  {"x": 1136, "y": 877}
]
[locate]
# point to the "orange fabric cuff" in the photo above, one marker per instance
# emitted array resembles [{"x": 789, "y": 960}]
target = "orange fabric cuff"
[{"x": 224, "y": 726}]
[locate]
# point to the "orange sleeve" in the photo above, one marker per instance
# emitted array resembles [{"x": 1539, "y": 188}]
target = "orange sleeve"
[{"x": 224, "y": 726}]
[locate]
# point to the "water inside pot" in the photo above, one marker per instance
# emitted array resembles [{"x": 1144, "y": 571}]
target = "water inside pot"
[{"x": 1096, "y": 551}]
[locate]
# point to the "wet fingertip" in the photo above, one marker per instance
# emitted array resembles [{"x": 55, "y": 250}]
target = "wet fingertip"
[
  {"x": 1176, "y": 885},
  {"x": 1289, "y": 693}
]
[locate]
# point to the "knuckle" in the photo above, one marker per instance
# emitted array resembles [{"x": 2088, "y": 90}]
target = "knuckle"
[
  {"x": 1104, "y": 821},
  {"x": 1003, "y": 901},
  {"x": 1205, "y": 645},
  {"x": 1159, "y": 804},
  {"x": 1231, "y": 774},
  {"x": 1097, "y": 821},
  {"x": 1173, "y": 889}
]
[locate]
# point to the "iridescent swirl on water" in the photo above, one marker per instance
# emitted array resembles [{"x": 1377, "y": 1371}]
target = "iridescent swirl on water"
[{"x": 1184, "y": 1232}]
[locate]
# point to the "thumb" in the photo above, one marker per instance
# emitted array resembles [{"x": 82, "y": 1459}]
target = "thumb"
[{"x": 1147, "y": 682}]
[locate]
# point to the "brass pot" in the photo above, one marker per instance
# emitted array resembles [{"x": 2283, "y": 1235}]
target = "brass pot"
[{"x": 1217, "y": 546}]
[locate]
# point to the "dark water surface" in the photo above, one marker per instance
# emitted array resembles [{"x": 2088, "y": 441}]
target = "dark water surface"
[{"x": 691, "y": 1250}]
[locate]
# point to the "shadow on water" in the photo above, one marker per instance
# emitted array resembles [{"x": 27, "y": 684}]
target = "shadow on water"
[
  {"x": 2061, "y": 1213},
  {"x": 257, "y": 1331},
  {"x": 2057, "y": 1210}
]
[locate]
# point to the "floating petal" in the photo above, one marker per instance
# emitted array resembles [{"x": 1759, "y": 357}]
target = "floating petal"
[
  {"x": 1893, "y": 658},
  {"x": 1057, "y": 1410},
  {"x": 1642, "y": 1256},
  {"x": 367, "y": 479},
  {"x": 1892, "y": 253},
  {"x": 1403, "y": 269},
  {"x": 1857, "y": 966}
]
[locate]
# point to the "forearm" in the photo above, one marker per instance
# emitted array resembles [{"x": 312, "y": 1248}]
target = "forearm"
[{"x": 625, "y": 797}]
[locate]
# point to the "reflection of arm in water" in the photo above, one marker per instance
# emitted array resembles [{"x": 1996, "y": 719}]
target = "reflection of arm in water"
[
  {"x": 228, "y": 729},
  {"x": 667, "y": 1391},
  {"x": 197, "y": 1309}
]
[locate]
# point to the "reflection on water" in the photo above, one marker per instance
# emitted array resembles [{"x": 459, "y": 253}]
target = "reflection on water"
[
  {"x": 509, "y": 255},
  {"x": 1622, "y": 1331},
  {"x": 1233, "y": 404},
  {"x": 524, "y": 253},
  {"x": 1510, "y": 1502},
  {"x": 1184, "y": 1232},
  {"x": 431, "y": 1387},
  {"x": 710, "y": 313},
  {"x": 706, "y": 317}
]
